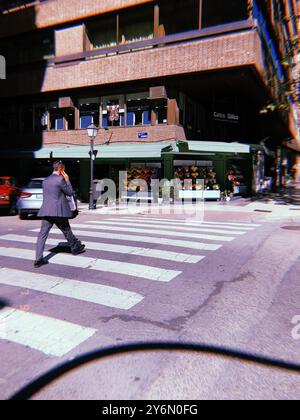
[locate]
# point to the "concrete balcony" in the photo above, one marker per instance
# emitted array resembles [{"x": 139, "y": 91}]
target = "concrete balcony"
[{"x": 188, "y": 54}]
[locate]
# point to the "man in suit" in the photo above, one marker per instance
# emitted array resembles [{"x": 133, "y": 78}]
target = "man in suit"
[{"x": 56, "y": 211}]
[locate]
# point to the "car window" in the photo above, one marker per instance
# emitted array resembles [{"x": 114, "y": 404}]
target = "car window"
[{"x": 35, "y": 184}]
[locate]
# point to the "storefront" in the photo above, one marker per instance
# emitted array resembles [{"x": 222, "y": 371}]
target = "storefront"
[
  {"x": 222, "y": 166},
  {"x": 141, "y": 161}
]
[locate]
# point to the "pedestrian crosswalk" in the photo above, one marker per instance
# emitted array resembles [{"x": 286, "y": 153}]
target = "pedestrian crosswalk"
[{"x": 128, "y": 249}]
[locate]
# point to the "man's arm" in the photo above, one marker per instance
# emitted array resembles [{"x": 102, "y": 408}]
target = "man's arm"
[{"x": 66, "y": 187}]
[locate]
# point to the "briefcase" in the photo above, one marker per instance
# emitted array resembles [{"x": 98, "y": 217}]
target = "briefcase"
[{"x": 72, "y": 201}]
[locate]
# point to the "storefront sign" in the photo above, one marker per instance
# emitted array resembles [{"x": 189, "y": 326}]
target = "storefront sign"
[
  {"x": 227, "y": 117},
  {"x": 143, "y": 135}
]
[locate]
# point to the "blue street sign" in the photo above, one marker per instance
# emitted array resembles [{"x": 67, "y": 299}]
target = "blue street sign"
[{"x": 143, "y": 135}]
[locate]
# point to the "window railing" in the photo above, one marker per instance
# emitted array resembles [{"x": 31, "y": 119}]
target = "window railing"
[{"x": 157, "y": 42}]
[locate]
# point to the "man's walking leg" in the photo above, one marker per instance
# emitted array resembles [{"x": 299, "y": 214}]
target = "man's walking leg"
[
  {"x": 42, "y": 238},
  {"x": 74, "y": 243}
]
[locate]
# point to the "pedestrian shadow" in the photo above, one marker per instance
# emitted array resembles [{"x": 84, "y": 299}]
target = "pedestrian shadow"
[{"x": 61, "y": 248}]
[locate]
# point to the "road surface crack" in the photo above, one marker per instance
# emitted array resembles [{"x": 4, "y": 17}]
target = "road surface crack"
[{"x": 177, "y": 324}]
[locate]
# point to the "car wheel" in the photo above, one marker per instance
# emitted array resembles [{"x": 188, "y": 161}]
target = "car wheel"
[{"x": 23, "y": 216}]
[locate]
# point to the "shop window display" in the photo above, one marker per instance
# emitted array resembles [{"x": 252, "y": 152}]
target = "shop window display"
[
  {"x": 133, "y": 186},
  {"x": 146, "y": 174},
  {"x": 189, "y": 175},
  {"x": 235, "y": 183},
  {"x": 190, "y": 185}
]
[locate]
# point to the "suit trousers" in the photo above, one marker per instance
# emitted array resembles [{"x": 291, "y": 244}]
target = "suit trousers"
[{"x": 47, "y": 224}]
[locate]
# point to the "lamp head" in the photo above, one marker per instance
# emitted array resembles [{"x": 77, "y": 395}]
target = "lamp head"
[{"x": 92, "y": 131}]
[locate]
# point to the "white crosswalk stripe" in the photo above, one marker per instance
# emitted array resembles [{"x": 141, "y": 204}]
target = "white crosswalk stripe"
[
  {"x": 120, "y": 249},
  {"x": 174, "y": 228},
  {"x": 197, "y": 222},
  {"x": 47, "y": 335},
  {"x": 87, "y": 292},
  {"x": 142, "y": 239},
  {"x": 114, "y": 228},
  {"x": 117, "y": 267},
  {"x": 184, "y": 223}
]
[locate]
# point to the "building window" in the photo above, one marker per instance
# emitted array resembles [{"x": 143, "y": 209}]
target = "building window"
[
  {"x": 136, "y": 24},
  {"x": 70, "y": 117},
  {"x": 41, "y": 118},
  {"x": 179, "y": 16},
  {"x": 161, "y": 110},
  {"x": 102, "y": 32},
  {"x": 113, "y": 111},
  {"x": 138, "y": 109},
  {"x": 218, "y": 12},
  {"x": 56, "y": 117},
  {"x": 89, "y": 110},
  {"x": 30, "y": 47}
]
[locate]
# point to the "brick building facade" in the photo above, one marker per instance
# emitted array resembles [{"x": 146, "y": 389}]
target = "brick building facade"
[{"x": 171, "y": 71}]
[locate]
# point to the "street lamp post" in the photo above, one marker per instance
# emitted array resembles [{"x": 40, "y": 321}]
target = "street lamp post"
[{"x": 92, "y": 132}]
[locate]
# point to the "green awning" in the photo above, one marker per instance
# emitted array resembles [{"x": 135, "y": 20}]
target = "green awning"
[
  {"x": 218, "y": 147},
  {"x": 112, "y": 151},
  {"x": 131, "y": 150}
]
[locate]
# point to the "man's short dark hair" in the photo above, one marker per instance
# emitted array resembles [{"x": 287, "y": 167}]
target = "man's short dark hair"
[{"x": 58, "y": 166}]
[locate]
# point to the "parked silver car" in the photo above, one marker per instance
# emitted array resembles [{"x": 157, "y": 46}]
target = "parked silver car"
[{"x": 31, "y": 198}]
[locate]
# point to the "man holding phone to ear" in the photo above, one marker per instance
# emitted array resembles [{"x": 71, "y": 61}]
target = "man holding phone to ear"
[{"x": 56, "y": 211}]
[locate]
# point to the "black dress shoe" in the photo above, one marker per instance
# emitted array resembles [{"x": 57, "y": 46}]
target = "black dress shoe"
[
  {"x": 78, "y": 250},
  {"x": 40, "y": 263}
]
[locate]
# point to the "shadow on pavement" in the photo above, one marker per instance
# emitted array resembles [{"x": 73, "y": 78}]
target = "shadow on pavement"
[
  {"x": 61, "y": 248},
  {"x": 286, "y": 196},
  {"x": 3, "y": 304}
]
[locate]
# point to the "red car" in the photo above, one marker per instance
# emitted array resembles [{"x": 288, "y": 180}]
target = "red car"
[{"x": 9, "y": 194}]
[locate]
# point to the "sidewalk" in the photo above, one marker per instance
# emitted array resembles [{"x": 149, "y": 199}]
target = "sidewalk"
[{"x": 273, "y": 206}]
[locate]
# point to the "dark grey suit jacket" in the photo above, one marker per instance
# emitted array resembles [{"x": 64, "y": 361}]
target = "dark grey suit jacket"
[{"x": 55, "y": 203}]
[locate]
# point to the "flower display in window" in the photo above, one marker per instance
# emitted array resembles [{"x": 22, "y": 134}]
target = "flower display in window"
[{"x": 188, "y": 175}]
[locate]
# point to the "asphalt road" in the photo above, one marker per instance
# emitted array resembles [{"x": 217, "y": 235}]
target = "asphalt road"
[{"x": 231, "y": 281}]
